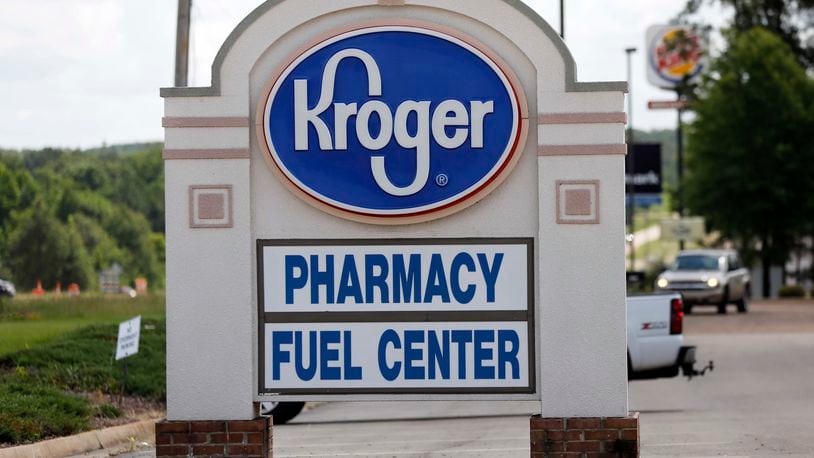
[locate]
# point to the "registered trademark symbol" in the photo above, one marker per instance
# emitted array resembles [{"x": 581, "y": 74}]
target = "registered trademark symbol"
[{"x": 441, "y": 179}]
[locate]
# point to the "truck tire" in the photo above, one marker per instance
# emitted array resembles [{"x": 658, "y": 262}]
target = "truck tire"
[
  {"x": 743, "y": 302},
  {"x": 282, "y": 412},
  {"x": 724, "y": 301},
  {"x": 687, "y": 308}
]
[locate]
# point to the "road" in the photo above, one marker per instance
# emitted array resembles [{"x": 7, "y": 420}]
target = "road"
[
  {"x": 759, "y": 401},
  {"x": 641, "y": 238}
]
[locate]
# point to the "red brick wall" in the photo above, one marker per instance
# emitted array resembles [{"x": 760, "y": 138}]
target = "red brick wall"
[
  {"x": 245, "y": 438},
  {"x": 584, "y": 437}
]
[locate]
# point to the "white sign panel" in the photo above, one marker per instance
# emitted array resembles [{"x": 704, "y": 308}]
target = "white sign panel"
[
  {"x": 129, "y": 333},
  {"x": 396, "y": 316},
  {"x": 395, "y": 277},
  {"x": 396, "y": 356}
]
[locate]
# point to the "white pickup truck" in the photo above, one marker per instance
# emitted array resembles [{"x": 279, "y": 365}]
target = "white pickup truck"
[
  {"x": 655, "y": 347},
  {"x": 655, "y": 340}
]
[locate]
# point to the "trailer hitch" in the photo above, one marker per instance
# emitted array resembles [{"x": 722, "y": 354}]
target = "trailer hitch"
[
  {"x": 686, "y": 358},
  {"x": 690, "y": 371}
]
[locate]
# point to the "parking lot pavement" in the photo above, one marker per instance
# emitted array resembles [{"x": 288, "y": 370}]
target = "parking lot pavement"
[
  {"x": 759, "y": 401},
  {"x": 764, "y": 317}
]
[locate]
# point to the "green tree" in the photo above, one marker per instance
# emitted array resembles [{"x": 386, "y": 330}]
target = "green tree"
[
  {"x": 43, "y": 248},
  {"x": 750, "y": 154},
  {"x": 9, "y": 194},
  {"x": 100, "y": 245},
  {"x": 788, "y": 19},
  {"x": 138, "y": 182},
  {"x": 108, "y": 204},
  {"x": 131, "y": 230},
  {"x": 17, "y": 191}
]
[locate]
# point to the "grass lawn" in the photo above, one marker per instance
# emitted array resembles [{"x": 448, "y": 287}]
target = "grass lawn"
[
  {"x": 26, "y": 320},
  {"x": 57, "y": 373},
  {"x": 54, "y": 388},
  {"x": 652, "y": 216}
]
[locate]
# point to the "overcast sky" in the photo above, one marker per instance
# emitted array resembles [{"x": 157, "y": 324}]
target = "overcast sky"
[{"x": 80, "y": 73}]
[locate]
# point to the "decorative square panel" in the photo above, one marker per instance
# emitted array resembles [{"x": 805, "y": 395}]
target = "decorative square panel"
[
  {"x": 578, "y": 202},
  {"x": 210, "y": 206}
]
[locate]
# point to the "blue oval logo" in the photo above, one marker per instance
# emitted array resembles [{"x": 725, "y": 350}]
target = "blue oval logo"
[{"x": 393, "y": 121}]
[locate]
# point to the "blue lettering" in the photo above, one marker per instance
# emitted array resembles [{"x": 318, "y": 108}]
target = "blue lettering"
[
  {"x": 490, "y": 273},
  {"x": 463, "y": 296},
  {"x": 305, "y": 373},
  {"x": 508, "y": 356},
  {"x": 327, "y": 355},
  {"x": 389, "y": 373},
  {"x": 438, "y": 354},
  {"x": 349, "y": 281},
  {"x": 481, "y": 354},
  {"x": 436, "y": 281},
  {"x": 294, "y": 261},
  {"x": 373, "y": 280},
  {"x": 412, "y": 354},
  {"x": 461, "y": 338},
  {"x": 351, "y": 372},
  {"x": 406, "y": 283},
  {"x": 324, "y": 278},
  {"x": 278, "y": 355}
]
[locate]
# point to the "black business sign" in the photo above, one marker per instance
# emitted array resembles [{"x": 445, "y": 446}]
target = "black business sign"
[{"x": 646, "y": 161}]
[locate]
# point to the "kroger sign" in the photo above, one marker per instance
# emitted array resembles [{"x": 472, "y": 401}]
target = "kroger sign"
[{"x": 392, "y": 121}]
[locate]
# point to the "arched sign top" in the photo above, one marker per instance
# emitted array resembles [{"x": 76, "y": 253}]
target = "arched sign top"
[
  {"x": 389, "y": 122},
  {"x": 570, "y": 73}
]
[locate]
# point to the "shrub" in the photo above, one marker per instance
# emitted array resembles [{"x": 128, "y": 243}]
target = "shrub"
[
  {"x": 33, "y": 412},
  {"x": 36, "y": 384},
  {"x": 82, "y": 361},
  {"x": 108, "y": 411},
  {"x": 791, "y": 291}
]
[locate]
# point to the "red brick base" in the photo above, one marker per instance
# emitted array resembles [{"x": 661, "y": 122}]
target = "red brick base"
[
  {"x": 245, "y": 438},
  {"x": 583, "y": 437}
]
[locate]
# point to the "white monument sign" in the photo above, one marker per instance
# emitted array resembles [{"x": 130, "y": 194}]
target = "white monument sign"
[{"x": 390, "y": 199}]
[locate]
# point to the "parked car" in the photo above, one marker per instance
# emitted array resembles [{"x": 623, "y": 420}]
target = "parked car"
[
  {"x": 7, "y": 289},
  {"x": 708, "y": 277},
  {"x": 655, "y": 349}
]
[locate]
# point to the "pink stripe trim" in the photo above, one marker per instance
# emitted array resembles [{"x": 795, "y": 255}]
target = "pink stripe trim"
[
  {"x": 581, "y": 150},
  {"x": 583, "y": 118},
  {"x": 169, "y": 121},
  {"x": 229, "y": 153}
]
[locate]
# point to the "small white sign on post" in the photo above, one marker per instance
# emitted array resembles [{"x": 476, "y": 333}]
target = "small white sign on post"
[
  {"x": 129, "y": 333},
  {"x": 684, "y": 229}
]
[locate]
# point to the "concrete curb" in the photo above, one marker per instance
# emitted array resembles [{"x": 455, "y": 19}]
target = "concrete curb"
[{"x": 83, "y": 442}]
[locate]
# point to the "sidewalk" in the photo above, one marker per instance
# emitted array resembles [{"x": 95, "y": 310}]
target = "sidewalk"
[
  {"x": 105, "y": 441},
  {"x": 641, "y": 238}
]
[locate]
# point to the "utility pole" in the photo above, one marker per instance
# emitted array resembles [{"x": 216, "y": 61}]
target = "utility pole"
[
  {"x": 631, "y": 159},
  {"x": 182, "y": 43},
  {"x": 562, "y": 19},
  {"x": 680, "y": 160}
]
